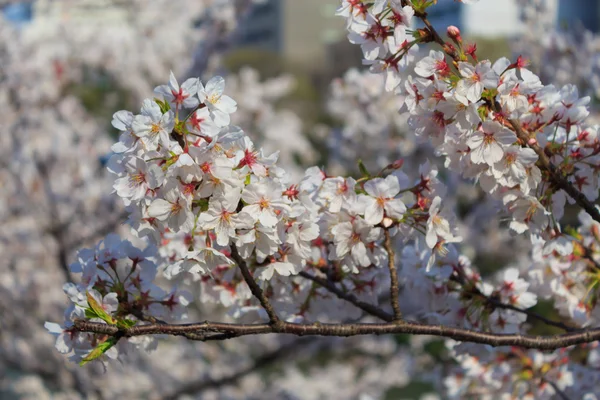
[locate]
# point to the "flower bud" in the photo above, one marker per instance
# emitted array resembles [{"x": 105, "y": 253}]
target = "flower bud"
[
  {"x": 396, "y": 164},
  {"x": 532, "y": 141},
  {"x": 454, "y": 34},
  {"x": 449, "y": 49}
]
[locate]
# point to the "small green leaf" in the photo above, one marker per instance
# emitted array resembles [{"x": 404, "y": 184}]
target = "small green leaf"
[
  {"x": 490, "y": 94},
  {"x": 99, "y": 350},
  {"x": 164, "y": 105},
  {"x": 202, "y": 203},
  {"x": 89, "y": 313},
  {"x": 362, "y": 168},
  {"x": 126, "y": 323},
  {"x": 483, "y": 112},
  {"x": 98, "y": 310}
]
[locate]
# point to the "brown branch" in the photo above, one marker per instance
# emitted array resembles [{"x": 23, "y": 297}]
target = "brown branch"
[
  {"x": 254, "y": 288},
  {"x": 225, "y": 331},
  {"x": 555, "y": 176},
  {"x": 377, "y": 312},
  {"x": 394, "y": 287},
  {"x": 101, "y": 231},
  {"x": 559, "y": 392},
  {"x": 56, "y": 229},
  {"x": 547, "y": 321},
  {"x": 260, "y": 363},
  {"x": 368, "y": 308}
]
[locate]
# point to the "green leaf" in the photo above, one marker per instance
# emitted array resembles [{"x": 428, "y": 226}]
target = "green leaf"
[
  {"x": 363, "y": 169},
  {"x": 489, "y": 94},
  {"x": 126, "y": 323},
  {"x": 98, "y": 310},
  {"x": 418, "y": 5},
  {"x": 202, "y": 203},
  {"x": 89, "y": 313},
  {"x": 164, "y": 105},
  {"x": 99, "y": 350},
  {"x": 482, "y": 111}
]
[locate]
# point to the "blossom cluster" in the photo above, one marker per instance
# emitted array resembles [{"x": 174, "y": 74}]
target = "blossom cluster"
[
  {"x": 198, "y": 187},
  {"x": 492, "y": 122},
  {"x": 467, "y": 114},
  {"x": 56, "y": 193},
  {"x": 211, "y": 203}
]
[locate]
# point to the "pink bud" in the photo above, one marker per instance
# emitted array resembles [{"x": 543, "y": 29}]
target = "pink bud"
[
  {"x": 398, "y": 164},
  {"x": 454, "y": 33},
  {"x": 532, "y": 141}
]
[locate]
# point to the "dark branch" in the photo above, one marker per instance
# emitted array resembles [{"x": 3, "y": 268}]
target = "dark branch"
[
  {"x": 226, "y": 331},
  {"x": 254, "y": 288},
  {"x": 259, "y": 363},
  {"x": 555, "y": 177},
  {"x": 368, "y": 308},
  {"x": 394, "y": 288}
]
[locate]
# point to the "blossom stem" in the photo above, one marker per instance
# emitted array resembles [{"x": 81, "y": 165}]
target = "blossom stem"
[
  {"x": 555, "y": 176},
  {"x": 394, "y": 287},
  {"x": 341, "y": 294},
  {"x": 254, "y": 288}
]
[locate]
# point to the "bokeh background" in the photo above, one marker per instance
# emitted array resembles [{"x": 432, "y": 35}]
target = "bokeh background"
[{"x": 67, "y": 65}]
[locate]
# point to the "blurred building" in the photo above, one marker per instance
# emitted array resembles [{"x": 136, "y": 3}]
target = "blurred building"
[
  {"x": 298, "y": 30},
  {"x": 18, "y": 13},
  {"x": 50, "y": 11},
  {"x": 585, "y": 12},
  {"x": 86, "y": 11}
]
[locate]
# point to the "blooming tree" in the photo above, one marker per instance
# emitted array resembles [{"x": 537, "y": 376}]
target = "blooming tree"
[
  {"x": 224, "y": 223},
  {"x": 56, "y": 193}
]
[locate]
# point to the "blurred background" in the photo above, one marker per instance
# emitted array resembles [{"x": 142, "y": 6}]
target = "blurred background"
[{"x": 67, "y": 65}]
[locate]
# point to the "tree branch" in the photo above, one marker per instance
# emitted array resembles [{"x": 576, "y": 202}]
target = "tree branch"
[
  {"x": 394, "y": 287},
  {"x": 261, "y": 362},
  {"x": 559, "y": 392},
  {"x": 378, "y": 312},
  {"x": 366, "y": 307},
  {"x": 222, "y": 331},
  {"x": 555, "y": 176},
  {"x": 254, "y": 288}
]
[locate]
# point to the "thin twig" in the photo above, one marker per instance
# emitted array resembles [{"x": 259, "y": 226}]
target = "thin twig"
[
  {"x": 559, "y": 392},
  {"x": 368, "y": 308},
  {"x": 547, "y": 321},
  {"x": 377, "y": 312},
  {"x": 254, "y": 288},
  {"x": 394, "y": 287},
  {"x": 555, "y": 177},
  {"x": 260, "y": 363}
]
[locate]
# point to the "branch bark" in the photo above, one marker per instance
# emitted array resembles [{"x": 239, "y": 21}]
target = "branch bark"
[
  {"x": 254, "y": 288},
  {"x": 261, "y": 362},
  {"x": 366, "y": 307},
  {"x": 222, "y": 331},
  {"x": 394, "y": 287},
  {"x": 556, "y": 178}
]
